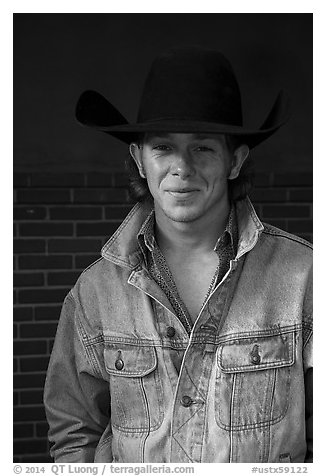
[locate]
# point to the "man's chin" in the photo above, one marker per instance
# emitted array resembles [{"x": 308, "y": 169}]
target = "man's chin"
[{"x": 183, "y": 215}]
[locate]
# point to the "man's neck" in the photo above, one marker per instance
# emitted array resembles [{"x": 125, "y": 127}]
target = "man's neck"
[{"x": 183, "y": 237}]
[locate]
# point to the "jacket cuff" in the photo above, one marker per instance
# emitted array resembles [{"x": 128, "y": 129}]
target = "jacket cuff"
[{"x": 85, "y": 455}]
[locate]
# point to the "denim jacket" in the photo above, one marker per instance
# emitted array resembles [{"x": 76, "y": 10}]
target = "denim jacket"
[{"x": 243, "y": 391}]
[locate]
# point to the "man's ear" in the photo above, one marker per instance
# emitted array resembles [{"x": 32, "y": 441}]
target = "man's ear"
[
  {"x": 135, "y": 152},
  {"x": 239, "y": 156}
]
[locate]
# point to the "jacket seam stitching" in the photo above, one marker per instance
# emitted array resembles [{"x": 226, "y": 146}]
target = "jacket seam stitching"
[
  {"x": 307, "y": 339},
  {"x": 92, "y": 264},
  {"x": 282, "y": 234},
  {"x": 104, "y": 442},
  {"x": 88, "y": 348},
  {"x": 255, "y": 218},
  {"x": 191, "y": 461},
  {"x": 204, "y": 338}
]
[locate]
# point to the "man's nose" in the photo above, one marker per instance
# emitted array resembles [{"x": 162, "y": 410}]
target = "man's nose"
[{"x": 183, "y": 165}]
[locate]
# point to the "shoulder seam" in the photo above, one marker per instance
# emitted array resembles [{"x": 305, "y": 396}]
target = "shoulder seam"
[
  {"x": 270, "y": 230},
  {"x": 92, "y": 264}
]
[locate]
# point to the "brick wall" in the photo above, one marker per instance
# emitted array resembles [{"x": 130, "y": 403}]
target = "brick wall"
[{"x": 60, "y": 223}]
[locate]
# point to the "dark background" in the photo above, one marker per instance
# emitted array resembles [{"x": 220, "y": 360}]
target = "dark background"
[{"x": 70, "y": 189}]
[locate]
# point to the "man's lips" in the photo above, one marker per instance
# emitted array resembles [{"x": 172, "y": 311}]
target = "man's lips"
[{"x": 182, "y": 192}]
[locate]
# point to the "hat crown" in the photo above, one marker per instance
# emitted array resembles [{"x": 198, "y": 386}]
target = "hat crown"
[{"x": 192, "y": 84}]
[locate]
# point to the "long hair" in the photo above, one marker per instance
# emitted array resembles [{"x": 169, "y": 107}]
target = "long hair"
[{"x": 239, "y": 187}]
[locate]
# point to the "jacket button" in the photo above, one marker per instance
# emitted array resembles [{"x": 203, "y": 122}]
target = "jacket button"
[
  {"x": 186, "y": 401},
  {"x": 255, "y": 359},
  {"x": 170, "y": 332},
  {"x": 119, "y": 364},
  {"x": 254, "y": 355}
]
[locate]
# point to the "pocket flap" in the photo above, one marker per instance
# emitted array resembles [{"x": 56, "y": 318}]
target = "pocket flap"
[
  {"x": 128, "y": 360},
  {"x": 260, "y": 353}
]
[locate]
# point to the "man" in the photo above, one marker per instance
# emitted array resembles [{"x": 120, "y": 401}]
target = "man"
[{"x": 190, "y": 340}]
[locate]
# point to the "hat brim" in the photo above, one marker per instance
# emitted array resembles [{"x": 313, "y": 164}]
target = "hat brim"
[{"x": 93, "y": 110}]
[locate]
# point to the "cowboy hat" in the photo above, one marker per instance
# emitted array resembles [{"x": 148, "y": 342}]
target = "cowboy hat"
[{"x": 188, "y": 90}]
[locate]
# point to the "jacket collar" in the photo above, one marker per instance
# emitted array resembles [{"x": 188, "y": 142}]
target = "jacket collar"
[
  {"x": 249, "y": 226},
  {"x": 123, "y": 247}
]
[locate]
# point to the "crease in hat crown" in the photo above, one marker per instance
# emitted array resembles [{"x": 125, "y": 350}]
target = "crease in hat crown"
[
  {"x": 192, "y": 84},
  {"x": 188, "y": 89}
]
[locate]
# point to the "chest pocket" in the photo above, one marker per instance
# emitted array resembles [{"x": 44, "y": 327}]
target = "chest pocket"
[
  {"x": 253, "y": 381},
  {"x": 135, "y": 388}
]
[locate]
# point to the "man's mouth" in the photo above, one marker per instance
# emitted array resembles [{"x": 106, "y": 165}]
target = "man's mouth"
[{"x": 182, "y": 192}]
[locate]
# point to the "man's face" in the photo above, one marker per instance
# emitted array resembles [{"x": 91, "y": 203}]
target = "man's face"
[{"x": 186, "y": 173}]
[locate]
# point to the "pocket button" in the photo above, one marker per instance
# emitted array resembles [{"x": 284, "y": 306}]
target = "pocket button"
[
  {"x": 119, "y": 364},
  {"x": 254, "y": 355},
  {"x": 255, "y": 359}
]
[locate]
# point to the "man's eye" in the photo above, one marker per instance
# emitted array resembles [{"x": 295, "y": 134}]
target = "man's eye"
[
  {"x": 203, "y": 148},
  {"x": 162, "y": 147}
]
